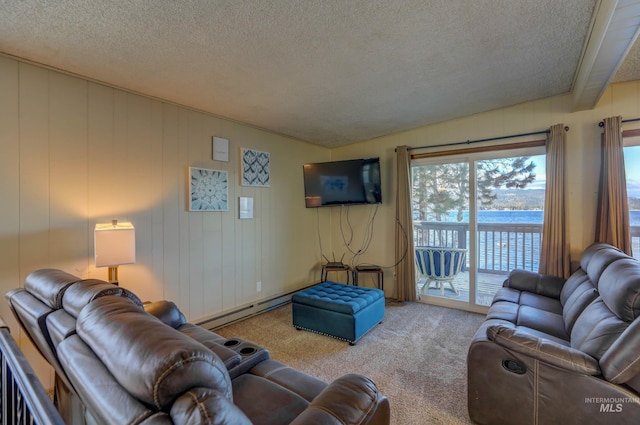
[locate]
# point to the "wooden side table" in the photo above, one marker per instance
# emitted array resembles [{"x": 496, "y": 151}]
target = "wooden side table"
[
  {"x": 369, "y": 269},
  {"x": 326, "y": 269}
]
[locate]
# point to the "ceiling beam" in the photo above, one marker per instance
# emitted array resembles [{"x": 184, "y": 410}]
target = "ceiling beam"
[{"x": 615, "y": 28}]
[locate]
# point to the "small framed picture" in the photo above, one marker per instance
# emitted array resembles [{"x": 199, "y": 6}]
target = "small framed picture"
[
  {"x": 254, "y": 167},
  {"x": 220, "y": 149},
  {"x": 208, "y": 190},
  {"x": 245, "y": 207}
]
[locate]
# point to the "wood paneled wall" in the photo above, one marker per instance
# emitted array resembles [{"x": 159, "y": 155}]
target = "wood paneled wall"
[{"x": 74, "y": 153}]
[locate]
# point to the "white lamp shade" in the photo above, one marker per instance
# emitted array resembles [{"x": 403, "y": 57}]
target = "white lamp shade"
[{"x": 115, "y": 244}]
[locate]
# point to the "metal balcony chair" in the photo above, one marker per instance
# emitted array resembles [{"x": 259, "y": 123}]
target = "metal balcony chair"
[{"x": 440, "y": 265}]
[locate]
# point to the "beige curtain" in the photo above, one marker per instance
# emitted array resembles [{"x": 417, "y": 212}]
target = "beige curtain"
[
  {"x": 612, "y": 221},
  {"x": 405, "y": 265},
  {"x": 554, "y": 248}
]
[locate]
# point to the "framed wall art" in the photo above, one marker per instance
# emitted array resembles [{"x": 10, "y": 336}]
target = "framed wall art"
[
  {"x": 245, "y": 207},
  {"x": 208, "y": 190},
  {"x": 220, "y": 148},
  {"x": 254, "y": 168}
]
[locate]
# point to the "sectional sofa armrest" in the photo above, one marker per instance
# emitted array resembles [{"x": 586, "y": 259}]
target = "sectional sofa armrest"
[
  {"x": 350, "y": 399},
  {"x": 167, "y": 312},
  {"x": 544, "y": 350},
  {"x": 206, "y": 406},
  {"x": 537, "y": 283}
]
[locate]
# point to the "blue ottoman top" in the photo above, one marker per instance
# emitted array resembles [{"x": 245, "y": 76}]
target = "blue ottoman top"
[{"x": 338, "y": 297}]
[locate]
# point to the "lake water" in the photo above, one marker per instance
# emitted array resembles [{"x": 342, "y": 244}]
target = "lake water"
[{"x": 520, "y": 217}]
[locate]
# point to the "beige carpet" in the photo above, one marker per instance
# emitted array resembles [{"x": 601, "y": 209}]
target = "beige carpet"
[{"x": 417, "y": 357}]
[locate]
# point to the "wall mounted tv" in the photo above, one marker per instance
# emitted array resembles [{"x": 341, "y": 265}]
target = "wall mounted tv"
[{"x": 349, "y": 182}]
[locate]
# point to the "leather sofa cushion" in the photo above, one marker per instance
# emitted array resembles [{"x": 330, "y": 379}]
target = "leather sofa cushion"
[
  {"x": 621, "y": 362},
  {"x": 576, "y": 279},
  {"x": 583, "y": 295},
  {"x": 517, "y": 296},
  {"x": 49, "y": 285},
  {"x": 507, "y": 294},
  {"x": 83, "y": 292},
  {"x": 306, "y": 386},
  {"x": 590, "y": 251},
  {"x": 503, "y": 310},
  {"x": 265, "y": 402},
  {"x": 541, "y": 302},
  {"x": 543, "y": 321},
  {"x": 548, "y": 286},
  {"x": 106, "y": 400},
  {"x": 200, "y": 405},
  {"x": 152, "y": 361},
  {"x": 61, "y": 325},
  {"x": 600, "y": 261},
  {"x": 33, "y": 314},
  {"x": 596, "y": 329},
  {"x": 620, "y": 288}
]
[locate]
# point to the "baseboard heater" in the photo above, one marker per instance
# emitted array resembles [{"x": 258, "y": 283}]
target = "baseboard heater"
[{"x": 246, "y": 311}]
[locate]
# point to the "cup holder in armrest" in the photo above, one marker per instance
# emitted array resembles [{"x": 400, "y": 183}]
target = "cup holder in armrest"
[
  {"x": 251, "y": 353},
  {"x": 247, "y": 351}
]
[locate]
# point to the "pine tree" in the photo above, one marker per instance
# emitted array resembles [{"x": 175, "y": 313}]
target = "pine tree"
[{"x": 439, "y": 189}]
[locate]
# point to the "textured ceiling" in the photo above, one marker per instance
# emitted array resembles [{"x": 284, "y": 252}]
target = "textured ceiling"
[
  {"x": 331, "y": 72},
  {"x": 630, "y": 68}
]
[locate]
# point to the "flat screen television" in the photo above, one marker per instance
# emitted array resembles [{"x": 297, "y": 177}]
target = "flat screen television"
[{"x": 349, "y": 182}]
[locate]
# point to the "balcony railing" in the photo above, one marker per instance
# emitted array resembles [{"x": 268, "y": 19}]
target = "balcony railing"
[
  {"x": 635, "y": 240},
  {"x": 24, "y": 399},
  {"x": 502, "y": 246}
]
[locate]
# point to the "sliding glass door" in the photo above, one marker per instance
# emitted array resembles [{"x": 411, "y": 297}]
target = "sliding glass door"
[
  {"x": 631, "y": 160},
  {"x": 441, "y": 228},
  {"x": 476, "y": 217}
]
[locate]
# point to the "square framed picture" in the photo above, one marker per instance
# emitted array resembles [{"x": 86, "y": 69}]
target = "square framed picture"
[
  {"x": 254, "y": 167},
  {"x": 208, "y": 190},
  {"x": 245, "y": 207}
]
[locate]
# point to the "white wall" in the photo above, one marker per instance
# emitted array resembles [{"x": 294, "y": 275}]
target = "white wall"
[
  {"x": 74, "y": 153},
  {"x": 583, "y": 148}
]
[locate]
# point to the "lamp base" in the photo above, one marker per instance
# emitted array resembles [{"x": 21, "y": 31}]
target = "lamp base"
[{"x": 113, "y": 275}]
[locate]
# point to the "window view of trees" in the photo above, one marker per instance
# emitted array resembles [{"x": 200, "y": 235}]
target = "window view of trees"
[{"x": 443, "y": 188}]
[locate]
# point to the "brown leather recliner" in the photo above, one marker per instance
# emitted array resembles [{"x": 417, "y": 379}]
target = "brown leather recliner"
[
  {"x": 561, "y": 352},
  {"x": 38, "y": 307},
  {"x": 135, "y": 364}
]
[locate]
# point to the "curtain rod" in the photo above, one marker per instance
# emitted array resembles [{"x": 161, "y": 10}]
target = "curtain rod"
[
  {"x": 601, "y": 123},
  {"x": 469, "y": 142}
]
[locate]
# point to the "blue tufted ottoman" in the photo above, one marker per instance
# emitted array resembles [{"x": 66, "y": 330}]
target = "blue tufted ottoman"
[{"x": 338, "y": 310}]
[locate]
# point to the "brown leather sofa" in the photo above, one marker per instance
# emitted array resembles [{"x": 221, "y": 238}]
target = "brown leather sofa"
[
  {"x": 561, "y": 352},
  {"x": 119, "y": 362}
]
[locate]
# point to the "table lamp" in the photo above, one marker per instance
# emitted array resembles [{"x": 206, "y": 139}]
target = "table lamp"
[{"x": 115, "y": 244}]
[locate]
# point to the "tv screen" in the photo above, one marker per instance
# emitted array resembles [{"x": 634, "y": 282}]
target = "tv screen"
[{"x": 349, "y": 182}]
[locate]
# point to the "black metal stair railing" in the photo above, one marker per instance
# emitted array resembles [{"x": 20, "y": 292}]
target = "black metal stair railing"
[{"x": 24, "y": 400}]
